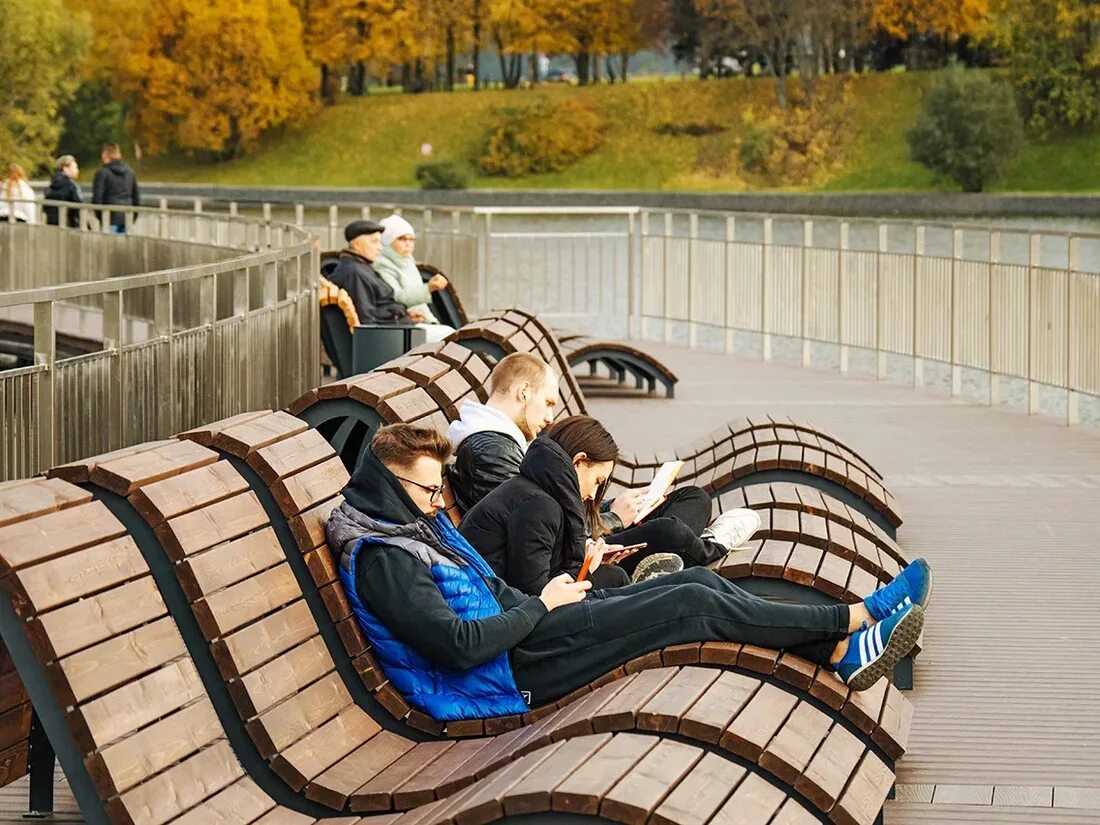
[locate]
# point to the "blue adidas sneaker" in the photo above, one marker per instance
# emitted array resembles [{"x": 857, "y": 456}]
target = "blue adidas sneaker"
[
  {"x": 913, "y": 585},
  {"x": 873, "y": 652}
]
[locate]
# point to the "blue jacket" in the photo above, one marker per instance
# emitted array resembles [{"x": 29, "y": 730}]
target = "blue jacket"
[{"x": 485, "y": 690}]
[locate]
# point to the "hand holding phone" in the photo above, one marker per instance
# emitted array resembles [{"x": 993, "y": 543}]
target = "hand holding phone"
[{"x": 618, "y": 553}]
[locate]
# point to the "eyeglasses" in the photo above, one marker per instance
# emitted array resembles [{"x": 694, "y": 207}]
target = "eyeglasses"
[{"x": 427, "y": 488}]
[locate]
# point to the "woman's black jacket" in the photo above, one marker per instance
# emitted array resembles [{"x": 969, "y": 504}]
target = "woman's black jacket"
[{"x": 531, "y": 528}]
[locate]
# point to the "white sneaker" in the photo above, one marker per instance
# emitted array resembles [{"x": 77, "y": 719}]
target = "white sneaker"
[{"x": 733, "y": 528}]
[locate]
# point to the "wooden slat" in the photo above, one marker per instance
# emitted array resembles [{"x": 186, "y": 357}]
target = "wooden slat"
[
  {"x": 178, "y": 788},
  {"x": 137, "y": 703},
  {"x": 36, "y": 540},
  {"x": 12, "y": 692},
  {"x": 701, "y": 793},
  {"x": 618, "y": 714},
  {"x": 80, "y": 573},
  {"x": 309, "y": 527},
  {"x": 212, "y": 525},
  {"x": 205, "y": 435},
  {"x": 15, "y": 725},
  {"x": 825, "y": 777},
  {"x": 753, "y": 803},
  {"x": 304, "y": 711},
  {"x": 229, "y": 563},
  {"x": 121, "y": 659},
  {"x": 242, "y": 803},
  {"x": 284, "y": 676},
  {"x": 636, "y": 796},
  {"x": 14, "y": 762},
  {"x": 96, "y": 618},
  {"x": 36, "y": 497},
  {"x": 357, "y": 768},
  {"x": 662, "y": 713},
  {"x": 758, "y": 722},
  {"x": 78, "y": 472},
  {"x": 532, "y": 794},
  {"x": 253, "y": 645},
  {"x": 242, "y": 439},
  {"x": 318, "y": 483},
  {"x": 135, "y": 758},
  {"x": 582, "y": 791},
  {"x": 124, "y": 475},
  {"x": 788, "y": 754},
  {"x": 708, "y": 718},
  {"x": 377, "y": 794},
  {"x": 323, "y": 747},
  {"x": 865, "y": 794},
  {"x": 223, "y": 612},
  {"x": 420, "y": 789},
  {"x": 289, "y": 456},
  {"x": 180, "y": 494}
]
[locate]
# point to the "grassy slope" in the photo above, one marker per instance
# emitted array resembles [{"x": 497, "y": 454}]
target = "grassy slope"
[{"x": 375, "y": 141}]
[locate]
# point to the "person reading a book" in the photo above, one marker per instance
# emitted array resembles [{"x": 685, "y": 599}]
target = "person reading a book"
[
  {"x": 459, "y": 643},
  {"x": 490, "y": 441}
]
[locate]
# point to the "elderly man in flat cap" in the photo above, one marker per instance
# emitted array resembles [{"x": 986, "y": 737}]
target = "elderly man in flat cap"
[{"x": 373, "y": 298}]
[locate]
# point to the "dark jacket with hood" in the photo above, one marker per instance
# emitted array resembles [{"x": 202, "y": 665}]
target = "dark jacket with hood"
[
  {"x": 62, "y": 188},
  {"x": 115, "y": 184},
  {"x": 441, "y": 625},
  {"x": 373, "y": 297},
  {"x": 531, "y": 528}
]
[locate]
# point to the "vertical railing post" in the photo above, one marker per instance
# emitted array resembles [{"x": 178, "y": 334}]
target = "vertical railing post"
[
  {"x": 693, "y": 265},
  {"x": 116, "y": 388},
  {"x": 483, "y": 262},
  {"x": 841, "y": 281},
  {"x": 334, "y": 227},
  {"x": 643, "y": 282},
  {"x": 1073, "y": 414},
  {"x": 162, "y": 218},
  {"x": 45, "y": 354},
  {"x": 267, "y": 225},
  {"x": 631, "y": 274},
  {"x": 299, "y": 214},
  {"x": 166, "y": 380},
  {"x": 731, "y": 237},
  {"x": 765, "y": 279},
  {"x": 208, "y": 315},
  {"x": 199, "y": 232},
  {"x": 956, "y": 263},
  {"x": 918, "y": 362},
  {"x": 994, "y": 377},
  {"x": 666, "y": 265},
  {"x": 1034, "y": 261},
  {"x": 880, "y": 256},
  {"x": 804, "y": 291}
]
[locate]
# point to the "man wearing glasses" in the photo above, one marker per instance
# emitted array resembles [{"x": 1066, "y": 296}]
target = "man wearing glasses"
[{"x": 459, "y": 643}]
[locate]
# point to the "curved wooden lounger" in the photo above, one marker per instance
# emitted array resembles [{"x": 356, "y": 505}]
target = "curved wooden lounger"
[
  {"x": 269, "y": 673},
  {"x": 141, "y": 741},
  {"x": 745, "y": 451}
]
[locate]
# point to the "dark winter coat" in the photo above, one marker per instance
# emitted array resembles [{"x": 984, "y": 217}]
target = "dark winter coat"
[
  {"x": 373, "y": 297},
  {"x": 482, "y": 463},
  {"x": 531, "y": 528},
  {"x": 62, "y": 188},
  {"x": 115, "y": 184}
]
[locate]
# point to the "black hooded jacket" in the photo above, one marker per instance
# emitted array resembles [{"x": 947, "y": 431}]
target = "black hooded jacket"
[
  {"x": 401, "y": 590},
  {"x": 62, "y": 188},
  {"x": 115, "y": 185},
  {"x": 373, "y": 297},
  {"x": 483, "y": 461},
  {"x": 531, "y": 528}
]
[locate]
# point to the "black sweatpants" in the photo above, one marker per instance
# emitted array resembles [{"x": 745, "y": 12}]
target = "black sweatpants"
[
  {"x": 575, "y": 644},
  {"x": 673, "y": 527}
]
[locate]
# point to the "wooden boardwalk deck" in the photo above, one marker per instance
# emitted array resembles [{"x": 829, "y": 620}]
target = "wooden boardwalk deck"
[{"x": 1007, "y": 509}]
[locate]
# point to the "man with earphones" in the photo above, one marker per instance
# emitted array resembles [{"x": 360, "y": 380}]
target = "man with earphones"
[{"x": 490, "y": 441}]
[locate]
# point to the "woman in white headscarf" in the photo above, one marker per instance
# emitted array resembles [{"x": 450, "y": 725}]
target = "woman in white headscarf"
[{"x": 397, "y": 266}]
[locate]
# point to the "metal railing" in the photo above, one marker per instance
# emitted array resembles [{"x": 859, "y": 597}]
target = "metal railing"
[
  {"x": 976, "y": 300},
  {"x": 187, "y": 318}
]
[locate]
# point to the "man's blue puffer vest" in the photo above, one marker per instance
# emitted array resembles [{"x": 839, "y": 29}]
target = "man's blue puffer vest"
[{"x": 445, "y": 695}]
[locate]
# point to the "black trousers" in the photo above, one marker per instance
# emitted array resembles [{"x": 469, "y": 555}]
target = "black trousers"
[
  {"x": 576, "y": 644},
  {"x": 673, "y": 527}
]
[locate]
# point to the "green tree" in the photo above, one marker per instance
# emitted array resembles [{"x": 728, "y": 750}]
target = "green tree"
[
  {"x": 40, "y": 48},
  {"x": 1053, "y": 48},
  {"x": 91, "y": 118},
  {"x": 969, "y": 130}
]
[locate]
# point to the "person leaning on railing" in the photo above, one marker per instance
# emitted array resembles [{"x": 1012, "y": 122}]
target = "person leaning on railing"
[
  {"x": 458, "y": 643},
  {"x": 63, "y": 187},
  {"x": 17, "y": 198}
]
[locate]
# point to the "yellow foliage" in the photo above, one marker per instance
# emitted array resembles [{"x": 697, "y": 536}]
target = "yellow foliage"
[
  {"x": 948, "y": 18},
  {"x": 213, "y": 76}
]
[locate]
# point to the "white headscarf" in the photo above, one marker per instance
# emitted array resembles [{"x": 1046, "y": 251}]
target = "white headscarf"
[{"x": 394, "y": 227}]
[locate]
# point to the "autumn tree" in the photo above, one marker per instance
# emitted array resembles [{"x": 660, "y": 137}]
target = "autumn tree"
[
  {"x": 207, "y": 76},
  {"x": 943, "y": 20},
  {"x": 40, "y": 48}
]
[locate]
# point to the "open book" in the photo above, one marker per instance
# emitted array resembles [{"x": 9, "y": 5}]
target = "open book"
[{"x": 659, "y": 487}]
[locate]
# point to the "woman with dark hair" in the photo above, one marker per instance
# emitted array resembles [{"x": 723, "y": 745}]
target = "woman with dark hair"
[{"x": 544, "y": 521}]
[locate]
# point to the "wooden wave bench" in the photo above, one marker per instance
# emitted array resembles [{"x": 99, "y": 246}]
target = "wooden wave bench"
[
  {"x": 314, "y": 736},
  {"x": 826, "y": 561},
  {"x": 141, "y": 740},
  {"x": 617, "y": 357},
  {"x": 757, "y": 449}
]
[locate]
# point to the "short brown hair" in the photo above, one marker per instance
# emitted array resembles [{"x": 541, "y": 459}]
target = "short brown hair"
[
  {"x": 517, "y": 368},
  {"x": 399, "y": 445},
  {"x": 112, "y": 150}
]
